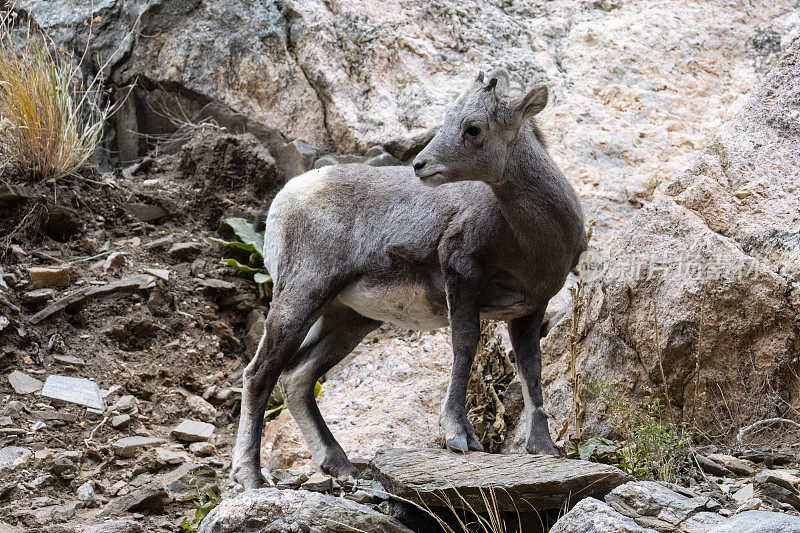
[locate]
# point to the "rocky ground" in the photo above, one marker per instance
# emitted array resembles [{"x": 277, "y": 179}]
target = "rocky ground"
[{"x": 117, "y": 324}]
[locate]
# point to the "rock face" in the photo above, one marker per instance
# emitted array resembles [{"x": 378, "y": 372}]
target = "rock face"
[
  {"x": 543, "y": 482},
  {"x": 719, "y": 247},
  {"x": 349, "y": 75},
  {"x": 279, "y": 511}
]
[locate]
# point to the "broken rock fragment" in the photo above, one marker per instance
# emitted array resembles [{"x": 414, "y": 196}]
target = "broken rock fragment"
[
  {"x": 22, "y": 383},
  {"x": 193, "y": 431},
  {"x": 74, "y": 390}
]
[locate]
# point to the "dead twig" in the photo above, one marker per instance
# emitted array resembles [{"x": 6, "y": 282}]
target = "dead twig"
[{"x": 759, "y": 423}]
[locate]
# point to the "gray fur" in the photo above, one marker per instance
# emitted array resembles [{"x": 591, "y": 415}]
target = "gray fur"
[{"x": 493, "y": 236}]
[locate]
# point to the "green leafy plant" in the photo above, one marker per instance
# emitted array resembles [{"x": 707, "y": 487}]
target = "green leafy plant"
[
  {"x": 607, "y": 452},
  {"x": 251, "y": 242},
  {"x": 204, "y": 502},
  {"x": 276, "y": 402},
  {"x": 651, "y": 446}
]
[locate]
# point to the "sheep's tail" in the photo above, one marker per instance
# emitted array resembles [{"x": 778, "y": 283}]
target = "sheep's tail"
[{"x": 260, "y": 222}]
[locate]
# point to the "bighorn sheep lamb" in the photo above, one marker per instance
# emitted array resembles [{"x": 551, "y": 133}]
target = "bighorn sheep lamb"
[{"x": 483, "y": 226}]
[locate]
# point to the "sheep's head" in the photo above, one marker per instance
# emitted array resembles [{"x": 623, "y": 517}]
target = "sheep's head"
[{"x": 478, "y": 133}]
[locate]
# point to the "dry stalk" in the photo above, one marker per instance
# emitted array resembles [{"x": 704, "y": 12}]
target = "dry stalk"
[
  {"x": 697, "y": 357},
  {"x": 576, "y": 293},
  {"x": 660, "y": 364}
]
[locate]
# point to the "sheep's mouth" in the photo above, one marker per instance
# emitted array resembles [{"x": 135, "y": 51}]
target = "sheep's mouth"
[{"x": 433, "y": 179}]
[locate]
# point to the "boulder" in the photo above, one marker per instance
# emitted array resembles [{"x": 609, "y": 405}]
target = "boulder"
[
  {"x": 520, "y": 480},
  {"x": 664, "y": 507},
  {"x": 278, "y": 511},
  {"x": 719, "y": 247},
  {"x": 759, "y": 522},
  {"x": 593, "y": 516}
]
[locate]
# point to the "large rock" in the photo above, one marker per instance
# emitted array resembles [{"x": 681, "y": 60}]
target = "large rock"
[
  {"x": 593, "y": 516},
  {"x": 665, "y": 507},
  {"x": 278, "y": 511},
  {"x": 759, "y": 522},
  {"x": 542, "y": 482},
  {"x": 720, "y": 247}
]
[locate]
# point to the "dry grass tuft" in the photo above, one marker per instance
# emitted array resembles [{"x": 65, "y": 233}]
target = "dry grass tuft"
[{"x": 50, "y": 124}]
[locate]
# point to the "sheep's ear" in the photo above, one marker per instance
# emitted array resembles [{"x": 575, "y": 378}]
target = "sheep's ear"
[
  {"x": 479, "y": 79},
  {"x": 531, "y": 104}
]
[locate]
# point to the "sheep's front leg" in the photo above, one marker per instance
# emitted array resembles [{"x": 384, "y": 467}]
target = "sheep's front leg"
[
  {"x": 525, "y": 334},
  {"x": 465, "y": 325}
]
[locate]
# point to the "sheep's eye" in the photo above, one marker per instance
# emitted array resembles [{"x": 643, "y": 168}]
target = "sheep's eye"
[{"x": 473, "y": 131}]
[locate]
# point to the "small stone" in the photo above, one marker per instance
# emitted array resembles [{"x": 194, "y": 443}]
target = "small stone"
[
  {"x": 151, "y": 497},
  {"x": 12, "y": 457},
  {"x": 734, "y": 464},
  {"x": 86, "y": 494},
  {"x": 214, "y": 285},
  {"x": 185, "y": 251},
  {"x": 120, "y": 421},
  {"x": 22, "y": 383},
  {"x": 129, "y": 446},
  {"x": 318, "y": 483},
  {"x": 74, "y": 390},
  {"x": 202, "y": 409},
  {"x": 296, "y": 157},
  {"x": 126, "y": 525},
  {"x": 374, "y": 151},
  {"x": 202, "y": 449},
  {"x": 42, "y": 277},
  {"x": 114, "y": 262},
  {"x": 289, "y": 478},
  {"x": 751, "y": 504},
  {"x": 325, "y": 161},
  {"x": 166, "y": 456},
  {"x": 189, "y": 478},
  {"x": 145, "y": 212},
  {"x": 38, "y": 297},
  {"x": 69, "y": 359},
  {"x": 193, "y": 431},
  {"x": 159, "y": 244},
  {"x": 125, "y": 404},
  {"x": 710, "y": 466},
  {"x": 160, "y": 273},
  {"x": 383, "y": 160},
  {"x": 781, "y": 478}
]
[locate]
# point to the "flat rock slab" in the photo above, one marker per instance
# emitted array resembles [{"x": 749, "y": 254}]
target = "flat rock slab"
[
  {"x": 521, "y": 482},
  {"x": 74, "y": 390},
  {"x": 193, "y": 431},
  {"x": 128, "y": 446},
  {"x": 22, "y": 383}
]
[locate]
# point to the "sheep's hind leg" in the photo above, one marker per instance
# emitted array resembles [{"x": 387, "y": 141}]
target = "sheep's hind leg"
[
  {"x": 289, "y": 319},
  {"x": 330, "y": 340},
  {"x": 525, "y": 334}
]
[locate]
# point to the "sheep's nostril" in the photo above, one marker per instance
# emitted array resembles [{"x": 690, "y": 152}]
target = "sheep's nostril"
[{"x": 419, "y": 165}]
